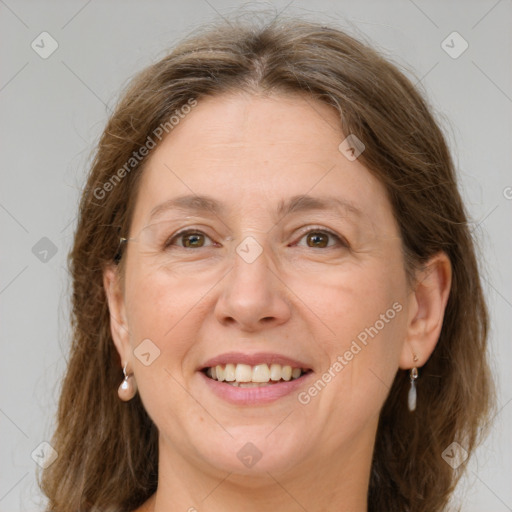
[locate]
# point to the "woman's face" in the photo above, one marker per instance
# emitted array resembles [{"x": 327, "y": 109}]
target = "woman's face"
[{"x": 263, "y": 278}]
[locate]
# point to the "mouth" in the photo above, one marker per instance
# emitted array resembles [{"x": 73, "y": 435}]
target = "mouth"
[
  {"x": 253, "y": 376},
  {"x": 256, "y": 379}
]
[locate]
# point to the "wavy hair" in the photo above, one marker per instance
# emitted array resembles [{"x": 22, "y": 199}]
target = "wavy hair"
[{"x": 108, "y": 449}]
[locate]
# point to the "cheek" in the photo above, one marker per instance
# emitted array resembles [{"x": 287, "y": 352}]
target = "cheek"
[
  {"x": 165, "y": 310},
  {"x": 352, "y": 299},
  {"x": 158, "y": 300},
  {"x": 359, "y": 318}
]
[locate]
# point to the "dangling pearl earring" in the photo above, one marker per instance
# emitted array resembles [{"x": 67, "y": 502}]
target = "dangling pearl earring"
[
  {"x": 128, "y": 387},
  {"x": 411, "y": 398}
]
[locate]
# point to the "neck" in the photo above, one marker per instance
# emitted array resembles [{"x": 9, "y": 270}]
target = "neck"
[{"x": 338, "y": 484}]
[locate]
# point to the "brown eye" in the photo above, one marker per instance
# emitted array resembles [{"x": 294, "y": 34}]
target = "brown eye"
[
  {"x": 193, "y": 240},
  {"x": 317, "y": 239},
  {"x": 321, "y": 239},
  {"x": 189, "y": 239}
]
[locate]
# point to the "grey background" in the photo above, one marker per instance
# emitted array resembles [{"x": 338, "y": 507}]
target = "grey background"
[{"x": 53, "y": 110}]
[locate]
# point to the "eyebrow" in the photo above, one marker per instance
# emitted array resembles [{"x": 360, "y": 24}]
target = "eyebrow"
[{"x": 299, "y": 203}]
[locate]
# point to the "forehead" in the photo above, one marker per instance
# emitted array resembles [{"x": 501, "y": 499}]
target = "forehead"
[
  {"x": 237, "y": 128},
  {"x": 248, "y": 151}
]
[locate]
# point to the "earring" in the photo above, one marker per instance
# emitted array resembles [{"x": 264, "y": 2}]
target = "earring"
[
  {"x": 128, "y": 387},
  {"x": 411, "y": 398}
]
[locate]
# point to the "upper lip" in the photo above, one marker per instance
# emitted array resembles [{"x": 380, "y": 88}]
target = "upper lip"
[{"x": 254, "y": 359}]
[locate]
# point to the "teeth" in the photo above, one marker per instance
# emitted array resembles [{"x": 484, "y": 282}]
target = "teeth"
[
  {"x": 244, "y": 375},
  {"x": 219, "y": 370},
  {"x": 275, "y": 372},
  {"x": 229, "y": 373},
  {"x": 286, "y": 372},
  {"x": 296, "y": 372},
  {"x": 260, "y": 373}
]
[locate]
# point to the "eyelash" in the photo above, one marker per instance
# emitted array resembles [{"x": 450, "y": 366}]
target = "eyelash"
[{"x": 340, "y": 240}]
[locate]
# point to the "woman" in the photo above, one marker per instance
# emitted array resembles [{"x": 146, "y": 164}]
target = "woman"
[{"x": 276, "y": 300}]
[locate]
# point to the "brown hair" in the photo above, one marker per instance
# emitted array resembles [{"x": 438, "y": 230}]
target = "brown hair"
[{"x": 108, "y": 451}]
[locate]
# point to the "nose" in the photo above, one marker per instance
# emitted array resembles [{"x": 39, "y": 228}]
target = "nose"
[{"x": 253, "y": 296}]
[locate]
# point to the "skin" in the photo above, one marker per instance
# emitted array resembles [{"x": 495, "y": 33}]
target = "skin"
[{"x": 307, "y": 302}]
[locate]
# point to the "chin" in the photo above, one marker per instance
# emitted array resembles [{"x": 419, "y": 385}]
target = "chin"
[{"x": 253, "y": 452}]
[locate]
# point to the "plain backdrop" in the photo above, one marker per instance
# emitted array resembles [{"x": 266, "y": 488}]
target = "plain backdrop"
[{"x": 53, "y": 110}]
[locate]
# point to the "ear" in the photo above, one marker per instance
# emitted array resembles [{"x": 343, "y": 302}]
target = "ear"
[
  {"x": 117, "y": 309},
  {"x": 427, "y": 305}
]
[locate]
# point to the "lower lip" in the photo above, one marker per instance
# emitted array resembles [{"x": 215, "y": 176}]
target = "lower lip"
[{"x": 256, "y": 395}]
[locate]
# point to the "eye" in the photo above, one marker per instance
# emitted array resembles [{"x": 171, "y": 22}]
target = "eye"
[
  {"x": 319, "y": 239},
  {"x": 195, "y": 239},
  {"x": 190, "y": 238}
]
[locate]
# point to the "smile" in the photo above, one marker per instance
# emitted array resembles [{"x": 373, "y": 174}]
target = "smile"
[{"x": 245, "y": 376}]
